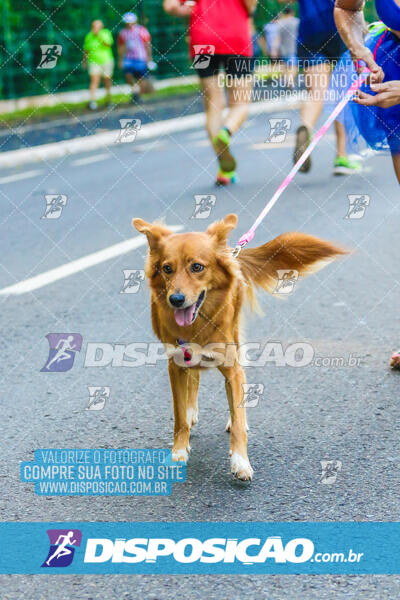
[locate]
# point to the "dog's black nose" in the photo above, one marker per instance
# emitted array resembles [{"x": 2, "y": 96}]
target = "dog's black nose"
[{"x": 177, "y": 300}]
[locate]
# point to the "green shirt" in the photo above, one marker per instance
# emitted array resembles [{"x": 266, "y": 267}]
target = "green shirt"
[{"x": 95, "y": 46}]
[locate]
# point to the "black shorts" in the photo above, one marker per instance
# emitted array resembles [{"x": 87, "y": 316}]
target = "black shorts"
[
  {"x": 320, "y": 49},
  {"x": 207, "y": 65}
]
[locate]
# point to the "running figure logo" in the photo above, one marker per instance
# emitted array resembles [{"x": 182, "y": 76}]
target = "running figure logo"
[
  {"x": 251, "y": 394},
  {"x": 357, "y": 206},
  {"x": 132, "y": 280},
  {"x": 63, "y": 347},
  {"x": 97, "y": 397},
  {"x": 286, "y": 281},
  {"x": 278, "y": 130},
  {"x": 54, "y": 206},
  {"x": 330, "y": 470},
  {"x": 61, "y": 551},
  {"x": 202, "y": 55},
  {"x": 204, "y": 204},
  {"x": 50, "y": 55},
  {"x": 128, "y": 130}
]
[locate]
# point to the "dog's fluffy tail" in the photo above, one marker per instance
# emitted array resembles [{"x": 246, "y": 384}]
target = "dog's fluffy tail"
[{"x": 304, "y": 254}]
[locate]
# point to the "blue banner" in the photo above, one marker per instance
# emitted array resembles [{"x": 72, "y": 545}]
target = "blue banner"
[{"x": 195, "y": 548}]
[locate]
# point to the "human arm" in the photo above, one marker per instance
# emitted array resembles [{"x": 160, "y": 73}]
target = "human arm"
[
  {"x": 85, "y": 53},
  {"x": 121, "y": 49},
  {"x": 250, "y": 6},
  {"x": 177, "y": 9},
  {"x": 148, "y": 52},
  {"x": 349, "y": 19},
  {"x": 146, "y": 38},
  {"x": 106, "y": 37}
]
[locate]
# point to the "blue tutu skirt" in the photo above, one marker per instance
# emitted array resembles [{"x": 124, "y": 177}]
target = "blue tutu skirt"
[{"x": 369, "y": 126}]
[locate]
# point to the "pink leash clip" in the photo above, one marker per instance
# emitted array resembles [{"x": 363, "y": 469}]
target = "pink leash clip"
[{"x": 247, "y": 237}]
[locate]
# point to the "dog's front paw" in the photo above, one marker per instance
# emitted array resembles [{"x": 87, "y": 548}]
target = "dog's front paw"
[
  {"x": 181, "y": 454},
  {"x": 241, "y": 467},
  {"x": 192, "y": 417}
]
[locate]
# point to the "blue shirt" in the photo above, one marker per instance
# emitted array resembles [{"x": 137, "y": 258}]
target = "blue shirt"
[{"x": 316, "y": 18}]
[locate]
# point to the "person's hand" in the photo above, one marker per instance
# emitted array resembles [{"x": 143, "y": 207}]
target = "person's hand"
[
  {"x": 120, "y": 65},
  {"x": 176, "y": 9},
  {"x": 365, "y": 55},
  {"x": 387, "y": 94},
  {"x": 84, "y": 64},
  {"x": 185, "y": 10}
]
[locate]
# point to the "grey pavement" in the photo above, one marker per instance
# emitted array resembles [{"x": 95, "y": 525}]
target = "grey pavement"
[{"x": 309, "y": 414}]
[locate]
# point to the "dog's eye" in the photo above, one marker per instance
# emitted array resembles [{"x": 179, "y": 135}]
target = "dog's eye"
[
  {"x": 167, "y": 269},
  {"x": 196, "y": 267}
]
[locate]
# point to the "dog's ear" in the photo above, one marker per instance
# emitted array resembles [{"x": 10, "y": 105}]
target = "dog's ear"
[
  {"x": 220, "y": 230},
  {"x": 153, "y": 231}
]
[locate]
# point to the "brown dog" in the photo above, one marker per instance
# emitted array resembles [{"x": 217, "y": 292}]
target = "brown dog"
[{"x": 198, "y": 289}]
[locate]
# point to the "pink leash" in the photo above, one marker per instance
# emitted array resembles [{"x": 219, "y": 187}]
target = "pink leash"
[{"x": 247, "y": 237}]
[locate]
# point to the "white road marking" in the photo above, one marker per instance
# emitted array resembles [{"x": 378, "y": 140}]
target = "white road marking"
[
  {"x": 75, "y": 266},
  {"x": 18, "y": 176},
  {"x": 155, "y": 145},
  {"x": 201, "y": 143},
  {"x": 90, "y": 159},
  {"x": 195, "y": 135}
]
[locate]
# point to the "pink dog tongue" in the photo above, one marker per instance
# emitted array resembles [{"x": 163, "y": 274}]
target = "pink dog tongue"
[{"x": 184, "y": 316}]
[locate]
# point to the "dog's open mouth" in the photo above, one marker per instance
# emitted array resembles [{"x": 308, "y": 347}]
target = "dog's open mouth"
[{"x": 186, "y": 316}]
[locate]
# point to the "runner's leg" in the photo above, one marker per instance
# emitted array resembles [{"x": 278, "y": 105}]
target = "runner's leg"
[
  {"x": 107, "y": 85},
  {"x": 130, "y": 80},
  {"x": 214, "y": 104},
  {"x": 239, "y": 97},
  {"x": 317, "y": 82},
  {"x": 396, "y": 164},
  {"x": 94, "y": 84},
  {"x": 340, "y": 139}
]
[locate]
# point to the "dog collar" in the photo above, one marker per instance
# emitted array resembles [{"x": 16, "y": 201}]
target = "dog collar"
[{"x": 187, "y": 356}]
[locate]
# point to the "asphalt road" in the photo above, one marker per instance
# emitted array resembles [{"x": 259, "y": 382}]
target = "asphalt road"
[{"x": 306, "y": 415}]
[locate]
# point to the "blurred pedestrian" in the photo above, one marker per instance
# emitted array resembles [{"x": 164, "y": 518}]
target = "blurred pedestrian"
[
  {"x": 220, "y": 38},
  {"x": 258, "y": 41},
  {"x": 319, "y": 48},
  {"x": 285, "y": 43},
  {"x": 98, "y": 59},
  {"x": 135, "y": 55},
  {"x": 271, "y": 32}
]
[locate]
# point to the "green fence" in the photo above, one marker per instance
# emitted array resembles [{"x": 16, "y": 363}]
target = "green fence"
[{"x": 27, "y": 24}]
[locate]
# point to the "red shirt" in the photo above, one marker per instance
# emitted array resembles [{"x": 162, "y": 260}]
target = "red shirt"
[{"x": 224, "y": 24}]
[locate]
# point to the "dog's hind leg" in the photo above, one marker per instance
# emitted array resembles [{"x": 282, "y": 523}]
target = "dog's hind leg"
[
  {"x": 234, "y": 380},
  {"x": 179, "y": 384},
  {"x": 192, "y": 411}
]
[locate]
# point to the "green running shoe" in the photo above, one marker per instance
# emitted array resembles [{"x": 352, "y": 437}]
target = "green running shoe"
[
  {"x": 225, "y": 178},
  {"x": 344, "y": 166},
  {"x": 221, "y": 143}
]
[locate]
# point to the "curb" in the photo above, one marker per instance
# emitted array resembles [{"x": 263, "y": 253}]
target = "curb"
[
  {"x": 76, "y": 96},
  {"x": 15, "y": 158}
]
